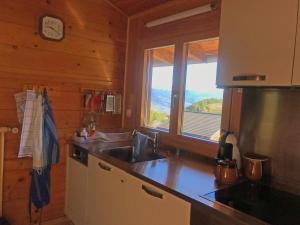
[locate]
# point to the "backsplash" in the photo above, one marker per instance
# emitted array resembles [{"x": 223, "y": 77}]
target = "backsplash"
[{"x": 270, "y": 125}]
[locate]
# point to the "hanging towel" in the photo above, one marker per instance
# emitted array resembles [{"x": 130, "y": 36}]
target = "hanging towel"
[
  {"x": 40, "y": 183},
  {"x": 26, "y": 144},
  {"x": 20, "y": 104},
  {"x": 140, "y": 144},
  {"x": 32, "y": 129},
  {"x": 38, "y": 124}
]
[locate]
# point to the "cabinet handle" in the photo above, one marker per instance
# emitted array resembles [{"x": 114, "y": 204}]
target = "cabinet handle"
[
  {"x": 250, "y": 77},
  {"x": 152, "y": 192},
  {"x": 104, "y": 167}
]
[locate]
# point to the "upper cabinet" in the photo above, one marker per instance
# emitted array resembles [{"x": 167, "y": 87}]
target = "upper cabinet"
[
  {"x": 296, "y": 72},
  {"x": 257, "y": 43}
]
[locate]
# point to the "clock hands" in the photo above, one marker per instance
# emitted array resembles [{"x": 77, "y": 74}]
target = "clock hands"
[{"x": 53, "y": 29}]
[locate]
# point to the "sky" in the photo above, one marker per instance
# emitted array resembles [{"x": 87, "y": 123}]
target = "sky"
[{"x": 200, "y": 78}]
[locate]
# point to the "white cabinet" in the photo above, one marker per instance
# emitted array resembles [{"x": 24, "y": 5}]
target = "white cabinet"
[
  {"x": 76, "y": 192},
  {"x": 106, "y": 199},
  {"x": 151, "y": 205},
  {"x": 118, "y": 198},
  {"x": 105, "y": 196},
  {"x": 257, "y": 43}
]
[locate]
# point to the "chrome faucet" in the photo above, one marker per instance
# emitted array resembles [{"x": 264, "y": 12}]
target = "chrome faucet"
[{"x": 153, "y": 139}]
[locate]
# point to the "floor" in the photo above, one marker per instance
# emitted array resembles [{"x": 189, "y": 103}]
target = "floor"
[
  {"x": 64, "y": 223},
  {"x": 61, "y": 221}
]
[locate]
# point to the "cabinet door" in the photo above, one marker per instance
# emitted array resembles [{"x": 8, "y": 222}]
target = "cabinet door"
[
  {"x": 105, "y": 194},
  {"x": 257, "y": 41},
  {"x": 76, "y": 192},
  {"x": 296, "y": 72},
  {"x": 150, "y": 205}
]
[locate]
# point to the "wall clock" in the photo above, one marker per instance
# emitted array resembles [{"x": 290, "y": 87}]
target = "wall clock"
[{"x": 52, "y": 28}]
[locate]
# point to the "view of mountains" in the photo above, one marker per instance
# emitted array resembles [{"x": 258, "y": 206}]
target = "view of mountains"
[{"x": 161, "y": 99}]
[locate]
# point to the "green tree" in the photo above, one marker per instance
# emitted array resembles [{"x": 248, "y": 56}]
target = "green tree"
[
  {"x": 157, "y": 118},
  {"x": 211, "y": 105}
]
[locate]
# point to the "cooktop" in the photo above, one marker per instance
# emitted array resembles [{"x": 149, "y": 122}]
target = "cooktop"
[{"x": 261, "y": 201}]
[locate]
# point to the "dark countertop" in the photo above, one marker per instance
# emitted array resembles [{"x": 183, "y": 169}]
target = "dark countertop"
[{"x": 185, "y": 177}]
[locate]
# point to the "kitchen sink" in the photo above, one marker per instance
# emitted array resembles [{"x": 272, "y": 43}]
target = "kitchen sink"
[{"x": 125, "y": 154}]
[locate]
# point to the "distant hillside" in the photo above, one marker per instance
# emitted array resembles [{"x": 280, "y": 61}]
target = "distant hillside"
[
  {"x": 211, "y": 105},
  {"x": 161, "y": 99},
  {"x": 156, "y": 118}
]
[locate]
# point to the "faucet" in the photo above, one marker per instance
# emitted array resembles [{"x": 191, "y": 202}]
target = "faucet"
[{"x": 153, "y": 140}]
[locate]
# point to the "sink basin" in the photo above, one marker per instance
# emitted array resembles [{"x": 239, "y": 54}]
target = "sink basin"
[{"x": 125, "y": 154}]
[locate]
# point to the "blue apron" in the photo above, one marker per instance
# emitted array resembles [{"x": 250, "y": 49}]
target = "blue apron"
[{"x": 40, "y": 181}]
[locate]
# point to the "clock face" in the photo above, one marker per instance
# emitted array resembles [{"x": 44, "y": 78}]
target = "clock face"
[{"x": 52, "y": 28}]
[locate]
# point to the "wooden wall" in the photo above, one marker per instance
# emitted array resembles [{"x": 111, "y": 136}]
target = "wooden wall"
[{"x": 92, "y": 55}]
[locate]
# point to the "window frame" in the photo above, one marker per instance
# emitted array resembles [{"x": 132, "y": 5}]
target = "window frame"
[
  {"x": 230, "y": 112},
  {"x": 147, "y": 86},
  {"x": 183, "y": 86}
]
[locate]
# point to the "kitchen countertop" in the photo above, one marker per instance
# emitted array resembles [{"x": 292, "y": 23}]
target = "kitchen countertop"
[{"x": 185, "y": 177}]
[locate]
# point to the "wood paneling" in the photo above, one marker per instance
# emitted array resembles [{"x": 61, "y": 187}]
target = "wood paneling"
[
  {"x": 199, "y": 52},
  {"x": 92, "y": 55},
  {"x": 137, "y": 8},
  {"x": 130, "y": 7}
]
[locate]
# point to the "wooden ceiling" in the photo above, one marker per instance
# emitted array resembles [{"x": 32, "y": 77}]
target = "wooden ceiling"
[
  {"x": 131, "y": 7},
  {"x": 198, "y": 52}
]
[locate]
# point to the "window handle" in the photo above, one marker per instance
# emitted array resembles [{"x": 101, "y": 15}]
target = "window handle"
[{"x": 174, "y": 98}]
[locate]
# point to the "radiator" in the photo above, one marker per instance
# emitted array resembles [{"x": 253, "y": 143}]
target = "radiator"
[{"x": 3, "y": 130}]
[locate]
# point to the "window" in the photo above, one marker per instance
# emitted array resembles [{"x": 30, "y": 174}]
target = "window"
[
  {"x": 199, "y": 109},
  {"x": 203, "y": 101},
  {"x": 159, "y": 87}
]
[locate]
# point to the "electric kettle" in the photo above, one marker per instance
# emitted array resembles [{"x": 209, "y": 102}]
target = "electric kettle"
[{"x": 226, "y": 171}]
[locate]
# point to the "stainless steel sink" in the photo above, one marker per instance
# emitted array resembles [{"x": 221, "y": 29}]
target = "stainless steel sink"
[{"x": 126, "y": 154}]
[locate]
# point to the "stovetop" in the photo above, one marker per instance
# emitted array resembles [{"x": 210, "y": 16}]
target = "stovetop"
[{"x": 261, "y": 201}]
